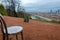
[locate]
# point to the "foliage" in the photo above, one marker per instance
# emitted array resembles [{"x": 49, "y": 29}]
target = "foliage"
[
  {"x": 2, "y": 10},
  {"x": 23, "y": 14},
  {"x": 53, "y": 21},
  {"x": 15, "y": 9}
]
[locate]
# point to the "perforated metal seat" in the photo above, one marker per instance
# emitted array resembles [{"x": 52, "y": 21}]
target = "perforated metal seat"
[{"x": 13, "y": 29}]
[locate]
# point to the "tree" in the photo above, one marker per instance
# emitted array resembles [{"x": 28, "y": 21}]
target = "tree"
[
  {"x": 11, "y": 8},
  {"x": 2, "y": 10}
]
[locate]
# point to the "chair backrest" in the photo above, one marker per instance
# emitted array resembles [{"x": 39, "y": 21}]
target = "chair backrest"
[{"x": 3, "y": 24}]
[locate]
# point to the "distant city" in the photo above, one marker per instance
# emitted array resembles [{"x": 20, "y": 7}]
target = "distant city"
[{"x": 51, "y": 15}]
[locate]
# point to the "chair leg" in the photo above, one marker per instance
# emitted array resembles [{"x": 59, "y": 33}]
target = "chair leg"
[
  {"x": 7, "y": 37},
  {"x": 10, "y": 38},
  {"x": 22, "y": 35},
  {"x": 16, "y": 37},
  {"x": 3, "y": 37}
]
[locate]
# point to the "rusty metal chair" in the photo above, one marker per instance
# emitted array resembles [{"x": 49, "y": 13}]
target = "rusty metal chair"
[{"x": 10, "y": 31}]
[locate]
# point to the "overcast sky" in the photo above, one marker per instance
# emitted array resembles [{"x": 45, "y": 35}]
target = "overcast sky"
[{"x": 40, "y": 5}]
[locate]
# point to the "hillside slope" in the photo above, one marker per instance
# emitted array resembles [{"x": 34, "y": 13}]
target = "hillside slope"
[{"x": 35, "y": 30}]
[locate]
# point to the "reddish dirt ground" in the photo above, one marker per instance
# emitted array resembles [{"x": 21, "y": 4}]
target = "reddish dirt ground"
[{"x": 34, "y": 30}]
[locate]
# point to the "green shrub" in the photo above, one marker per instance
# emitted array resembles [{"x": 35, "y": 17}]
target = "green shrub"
[
  {"x": 2, "y": 10},
  {"x": 55, "y": 21}
]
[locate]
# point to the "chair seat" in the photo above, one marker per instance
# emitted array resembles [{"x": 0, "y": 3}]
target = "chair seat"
[{"x": 14, "y": 29}]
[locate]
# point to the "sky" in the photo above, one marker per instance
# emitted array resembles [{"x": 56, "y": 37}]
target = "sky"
[
  {"x": 40, "y": 5},
  {"x": 0, "y": 1}
]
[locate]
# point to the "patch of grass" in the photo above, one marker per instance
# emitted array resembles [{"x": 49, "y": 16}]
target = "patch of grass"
[{"x": 53, "y": 21}]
